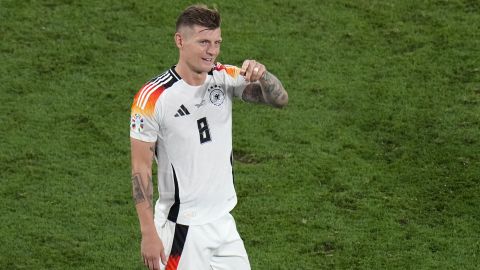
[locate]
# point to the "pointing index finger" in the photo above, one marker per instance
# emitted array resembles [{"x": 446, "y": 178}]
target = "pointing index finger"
[{"x": 245, "y": 64}]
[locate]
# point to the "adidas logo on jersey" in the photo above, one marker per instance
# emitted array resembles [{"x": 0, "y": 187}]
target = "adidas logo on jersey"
[{"x": 182, "y": 111}]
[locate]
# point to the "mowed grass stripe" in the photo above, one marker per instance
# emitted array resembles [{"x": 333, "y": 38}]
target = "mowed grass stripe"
[{"x": 373, "y": 165}]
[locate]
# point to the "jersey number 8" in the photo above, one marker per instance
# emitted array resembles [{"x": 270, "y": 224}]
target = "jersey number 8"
[{"x": 203, "y": 130}]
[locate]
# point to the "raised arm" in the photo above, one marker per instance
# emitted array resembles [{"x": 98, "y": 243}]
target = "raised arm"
[
  {"x": 142, "y": 191},
  {"x": 264, "y": 87}
]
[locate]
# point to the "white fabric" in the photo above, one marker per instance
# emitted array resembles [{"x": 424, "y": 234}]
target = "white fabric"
[
  {"x": 192, "y": 126},
  {"x": 216, "y": 245}
]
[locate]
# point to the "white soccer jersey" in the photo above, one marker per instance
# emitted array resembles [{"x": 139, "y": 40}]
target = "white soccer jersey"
[{"x": 192, "y": 126}]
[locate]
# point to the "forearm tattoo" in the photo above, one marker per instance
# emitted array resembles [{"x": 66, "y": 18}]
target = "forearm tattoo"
[
  {"x": 273, "y": 89},
  {"x": 142, "y": 191},
  {"x": 253, "y": 93},
  {"x": 270, "y": 91}
]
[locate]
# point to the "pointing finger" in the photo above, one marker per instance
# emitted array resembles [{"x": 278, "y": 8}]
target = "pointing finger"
[
  {"x": 244, "y": 67},
  {"x": 250, "y": 70}
]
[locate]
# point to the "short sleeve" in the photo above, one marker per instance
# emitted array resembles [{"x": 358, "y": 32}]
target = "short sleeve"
[
  {"x": 144, "y": 124},
  {"x": 234, "y": 79}
]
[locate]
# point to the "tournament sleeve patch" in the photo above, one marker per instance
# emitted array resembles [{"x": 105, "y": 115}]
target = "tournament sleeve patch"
[{"x": 137, "y": 122}]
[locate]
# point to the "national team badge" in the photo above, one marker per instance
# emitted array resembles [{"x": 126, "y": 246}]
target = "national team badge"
[
  {"x": 217, "y": 96},
  {"x": 136, "y": 123}
]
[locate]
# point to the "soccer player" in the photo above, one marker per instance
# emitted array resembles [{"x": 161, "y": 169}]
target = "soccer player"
[{"x": 183, "y": 119}]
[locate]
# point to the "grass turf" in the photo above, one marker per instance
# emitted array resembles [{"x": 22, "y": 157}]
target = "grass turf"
[{"x": 373, "y": 165}]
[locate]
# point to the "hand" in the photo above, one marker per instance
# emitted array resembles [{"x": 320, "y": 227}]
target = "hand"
[
  {"x": 153, "y": 251},
  {"x": 252, "y": 70}
]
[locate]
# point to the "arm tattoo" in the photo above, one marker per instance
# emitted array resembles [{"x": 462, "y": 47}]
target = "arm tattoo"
[
  {"x": 273, "y": 90},
  {"x": 141, "y": 192},
  {"x": 253, "y": 93},
  {"x": 270, "y": 90}
]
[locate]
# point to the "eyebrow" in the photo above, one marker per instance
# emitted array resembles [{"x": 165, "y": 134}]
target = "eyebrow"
[
  {"x": 205, "y": 29},
  {"x": 206, "y": 39}
]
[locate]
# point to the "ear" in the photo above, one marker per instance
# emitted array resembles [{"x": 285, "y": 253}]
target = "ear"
[{"x": 178, "y": 40}]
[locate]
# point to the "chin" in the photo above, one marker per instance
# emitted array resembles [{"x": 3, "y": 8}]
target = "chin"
[{"x": 206, "y": 68}]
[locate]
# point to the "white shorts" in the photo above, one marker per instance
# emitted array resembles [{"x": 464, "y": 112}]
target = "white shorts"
[{"x": 216, "y": 245}]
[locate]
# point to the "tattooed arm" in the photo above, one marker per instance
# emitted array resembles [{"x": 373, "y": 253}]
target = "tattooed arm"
[
  {"x": 142, "y": 184},
  {"x": 142, "y": 192},
  {"x": 268, "y": 90},
  {"x": 264, "y": 86}
]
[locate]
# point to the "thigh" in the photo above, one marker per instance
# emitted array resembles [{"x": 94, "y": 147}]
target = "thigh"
[
  {"x": 232, "y": 257},
  {"x": 216, "y": 245},
  {"x": 191, "y": 248},
  {"x": 231, "y": 254},
  {"x": 166, "y": 231}
]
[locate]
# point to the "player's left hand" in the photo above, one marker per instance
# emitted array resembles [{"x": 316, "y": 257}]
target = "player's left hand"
[{"x": 252, "y": 70}]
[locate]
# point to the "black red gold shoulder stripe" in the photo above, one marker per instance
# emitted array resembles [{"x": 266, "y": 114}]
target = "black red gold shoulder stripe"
[{"x": 150, "y": 92}]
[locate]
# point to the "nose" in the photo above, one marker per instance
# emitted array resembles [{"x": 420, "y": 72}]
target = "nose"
[{"x": 212, "y": 50}]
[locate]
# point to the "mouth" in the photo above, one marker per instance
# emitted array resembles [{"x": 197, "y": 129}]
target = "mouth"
[{"x": 208, "y": 60}]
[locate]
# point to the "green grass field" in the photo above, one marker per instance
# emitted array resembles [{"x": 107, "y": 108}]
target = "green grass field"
[{"x": 375, "y": 163}]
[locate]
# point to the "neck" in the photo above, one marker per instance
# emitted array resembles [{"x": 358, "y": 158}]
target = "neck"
[{"x": 190, "y": 76}]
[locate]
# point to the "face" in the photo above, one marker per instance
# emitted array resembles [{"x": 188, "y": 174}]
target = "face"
[{"x": 198, "y": 47}]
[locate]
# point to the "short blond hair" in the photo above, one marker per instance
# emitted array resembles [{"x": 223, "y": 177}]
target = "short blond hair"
[{"x": 199, "y": 15}]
